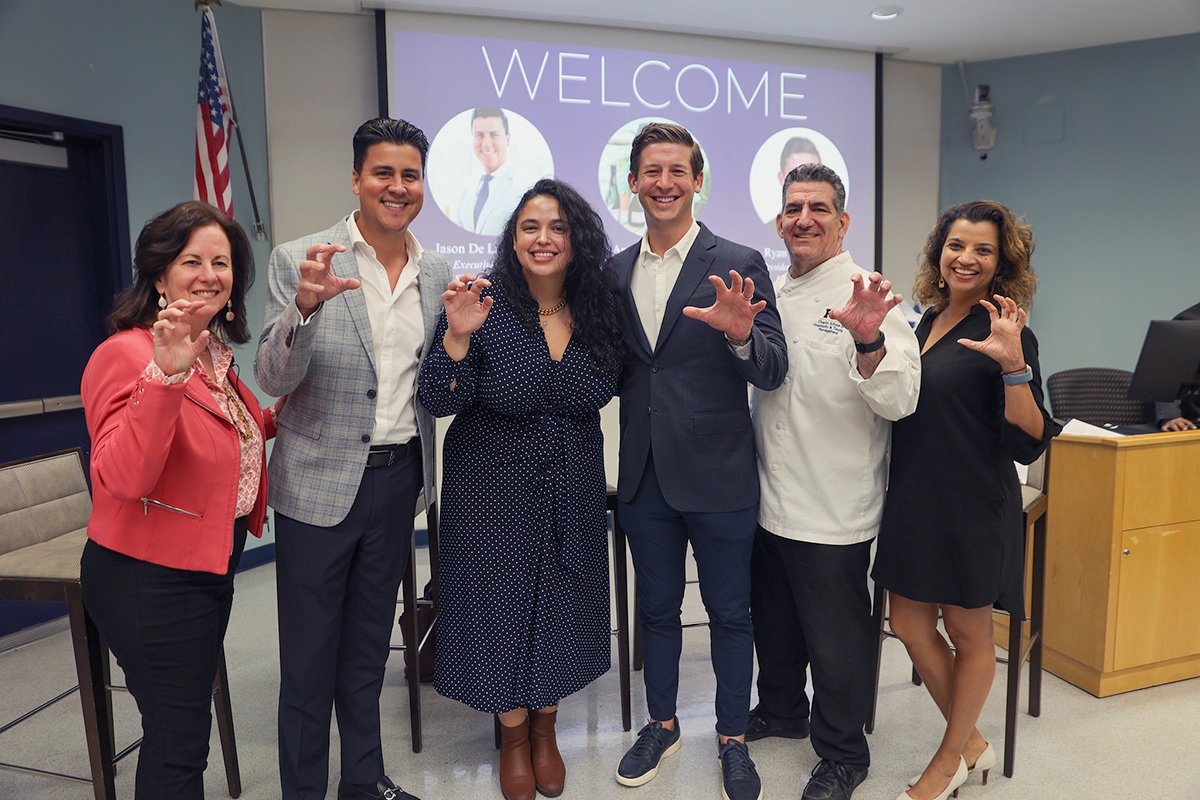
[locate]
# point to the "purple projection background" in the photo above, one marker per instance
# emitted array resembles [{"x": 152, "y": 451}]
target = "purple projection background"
[{"x": 579, "y": 102}]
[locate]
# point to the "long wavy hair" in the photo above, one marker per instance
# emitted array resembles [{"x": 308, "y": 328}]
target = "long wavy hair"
[
  {"x": 587, "y": 285},
  {"x": 161, "y": 241},
  {"x": 1014, "y": 277}
]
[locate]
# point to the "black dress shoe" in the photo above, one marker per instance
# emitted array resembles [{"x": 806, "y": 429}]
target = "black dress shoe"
[
  {"x": 833, "y": 781},
  {"x": 384, "y": 789},
  {"x": 759, "y": 726}
]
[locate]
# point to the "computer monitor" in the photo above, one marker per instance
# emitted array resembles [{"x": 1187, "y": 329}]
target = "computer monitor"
[{"x": 1169, "y": 366}]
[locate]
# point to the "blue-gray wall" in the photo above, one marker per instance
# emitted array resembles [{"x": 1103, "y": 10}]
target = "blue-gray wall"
[
  {"x": 135, "y": 63},
  {"x": 1115, "y": 205}
]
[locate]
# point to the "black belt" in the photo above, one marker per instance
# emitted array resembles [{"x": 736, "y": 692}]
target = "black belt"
[{"x": 388, "y": 454}]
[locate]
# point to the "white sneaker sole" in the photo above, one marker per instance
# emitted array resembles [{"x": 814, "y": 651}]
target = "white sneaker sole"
[{"x": 649, "y": 774}]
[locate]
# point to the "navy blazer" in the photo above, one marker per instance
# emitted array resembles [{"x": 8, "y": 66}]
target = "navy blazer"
[{"x": 687, "y": 400}]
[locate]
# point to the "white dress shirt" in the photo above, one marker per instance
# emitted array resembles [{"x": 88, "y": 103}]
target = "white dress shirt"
[
  {"x": 397, "y": 334},
  {"x": 654, "y": 277}
]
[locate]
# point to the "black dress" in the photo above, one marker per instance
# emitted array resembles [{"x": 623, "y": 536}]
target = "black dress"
[
  {"x": 951, "y": 530},
  {"x": 524, "y": 603}
]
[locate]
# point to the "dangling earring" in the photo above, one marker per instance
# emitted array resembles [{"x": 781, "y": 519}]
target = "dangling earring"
[
  {"x": 941, "y": 282},
  {"x": 162, "y": 300},
  {"x": 229, "y": 313}
]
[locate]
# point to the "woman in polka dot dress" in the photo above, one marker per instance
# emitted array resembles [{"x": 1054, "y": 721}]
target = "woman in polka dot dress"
[{"x": 525, "y": 359}]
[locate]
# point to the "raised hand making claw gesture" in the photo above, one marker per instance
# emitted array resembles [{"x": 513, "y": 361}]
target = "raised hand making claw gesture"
[
  {"x": 318, "y": 283},
  {"x": 734, "y": 311},
  {"x": 1004, "y": 342},
  {"x": 174, "y": 348},
  {"x": 465, "y": 313},
  {"x": 868, "y": 305}
]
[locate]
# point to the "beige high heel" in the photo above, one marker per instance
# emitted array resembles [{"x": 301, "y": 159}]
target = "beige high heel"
[
  {"x": 960, "y": 777},
  {"x": 986, "y": 760}
]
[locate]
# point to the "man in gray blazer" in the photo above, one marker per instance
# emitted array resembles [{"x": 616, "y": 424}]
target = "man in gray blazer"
[
  {"x": 350, "y": 313},
  {"x": 687, "y": 461}
]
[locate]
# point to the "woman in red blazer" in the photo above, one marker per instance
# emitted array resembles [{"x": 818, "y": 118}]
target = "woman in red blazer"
[{"x": 178, "y": 479}]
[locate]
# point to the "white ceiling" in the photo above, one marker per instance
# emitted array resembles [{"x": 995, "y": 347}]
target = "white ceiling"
[{"x": 938, "y": 31}]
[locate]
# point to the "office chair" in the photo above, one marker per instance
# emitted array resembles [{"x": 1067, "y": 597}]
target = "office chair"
[{"x": 1096, "y": 395}]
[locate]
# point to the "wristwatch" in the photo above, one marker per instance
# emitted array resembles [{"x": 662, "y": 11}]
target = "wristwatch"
[
  {"x": 870, "y": 347},
  {"x": 1017, "y": 378}
]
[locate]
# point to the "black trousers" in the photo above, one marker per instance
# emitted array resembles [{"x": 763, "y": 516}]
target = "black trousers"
[
  {"x": 165, "y": 626},
  {"x": 811, "y": 608},
  {"x": 337, "y": 606}
]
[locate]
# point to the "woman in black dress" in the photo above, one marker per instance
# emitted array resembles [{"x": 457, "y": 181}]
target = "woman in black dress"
[
  {"x": 525, "y": 361},
  {"x": 951, "y": 536}
]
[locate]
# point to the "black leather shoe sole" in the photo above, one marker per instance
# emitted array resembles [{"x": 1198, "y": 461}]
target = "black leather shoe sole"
[
  {"x": 388, "y": 791},
  {"x": 764, "y": 727}
]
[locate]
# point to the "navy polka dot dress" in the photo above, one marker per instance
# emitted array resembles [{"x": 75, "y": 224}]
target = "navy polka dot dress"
[{"x": 524, "y": 617}]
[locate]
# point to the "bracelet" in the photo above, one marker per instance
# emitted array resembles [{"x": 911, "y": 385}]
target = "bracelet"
[
  {"x": 739, "y": 342},
  {"x": 869, "y": 348},
  {"x": 1017, "y": 378}
]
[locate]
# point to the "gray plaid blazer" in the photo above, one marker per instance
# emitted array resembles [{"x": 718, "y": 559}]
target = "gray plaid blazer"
[{"x": 327, "y": 368}]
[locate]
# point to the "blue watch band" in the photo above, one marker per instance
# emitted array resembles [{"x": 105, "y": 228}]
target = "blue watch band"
[{"x": 1018, "y": 378}]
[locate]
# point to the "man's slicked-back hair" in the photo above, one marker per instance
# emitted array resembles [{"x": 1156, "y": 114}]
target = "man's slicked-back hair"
[
  {"x": 817, "y": 173},
  {"x": 484, "y": 112},
  {"x": 389, "y": 131},
  {"x": 664, "y": 133}
]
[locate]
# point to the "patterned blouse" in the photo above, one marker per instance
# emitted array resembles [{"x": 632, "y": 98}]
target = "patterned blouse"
[{"x": 234, "y": 410}]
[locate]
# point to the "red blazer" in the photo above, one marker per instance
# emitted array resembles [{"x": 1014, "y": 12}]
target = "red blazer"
[{"x": 165, "y": 461}]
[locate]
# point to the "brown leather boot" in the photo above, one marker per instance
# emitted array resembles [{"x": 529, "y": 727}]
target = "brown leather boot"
[
  {"x": 548, "y": 769},
  {"x": 516, "y": 766}
]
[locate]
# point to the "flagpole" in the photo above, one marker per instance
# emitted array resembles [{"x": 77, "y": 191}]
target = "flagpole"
[{"x": 259, "y": 231}]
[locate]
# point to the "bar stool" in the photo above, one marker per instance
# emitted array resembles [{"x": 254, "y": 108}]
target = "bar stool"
[
  {"x": 408, "y": 618},
  {"x": 44, "y": 508}
]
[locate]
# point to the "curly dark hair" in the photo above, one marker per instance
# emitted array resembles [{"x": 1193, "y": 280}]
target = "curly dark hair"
[
  {"x": 1014, "y": 276},
  {"x": 588, "y": 284},
  {"x": 161, "y": 241}
]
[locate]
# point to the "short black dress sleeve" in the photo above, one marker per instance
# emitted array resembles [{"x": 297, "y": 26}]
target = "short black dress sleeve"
[{"x": 951, "y": 530}]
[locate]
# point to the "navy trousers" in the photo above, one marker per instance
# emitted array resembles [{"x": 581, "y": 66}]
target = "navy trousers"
[
  {"x": 165, "y": 626},
  {"x": 337, "y": 605},
  {"x": 658, "y": 537},
  {"x": 812, "y": 609}
]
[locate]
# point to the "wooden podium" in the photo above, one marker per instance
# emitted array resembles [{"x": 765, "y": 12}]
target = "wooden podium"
[{"x": 1123, "y": 561}]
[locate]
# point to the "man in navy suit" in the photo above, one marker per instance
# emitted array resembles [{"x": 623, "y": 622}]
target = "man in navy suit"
[{"x": 687, "y": 462}]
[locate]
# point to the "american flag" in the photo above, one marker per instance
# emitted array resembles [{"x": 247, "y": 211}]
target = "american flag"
[{"x": 212, "y": 122}]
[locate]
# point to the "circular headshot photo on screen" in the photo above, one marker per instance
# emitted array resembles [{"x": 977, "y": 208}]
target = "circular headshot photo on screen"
[
  {"x": 782, "y": 152},
  {"x": 613, "y": 177},
  {"x": 481, "y": 162}
]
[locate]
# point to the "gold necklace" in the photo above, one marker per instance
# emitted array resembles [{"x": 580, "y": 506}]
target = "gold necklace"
[{"x": 546, "y": 312}]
